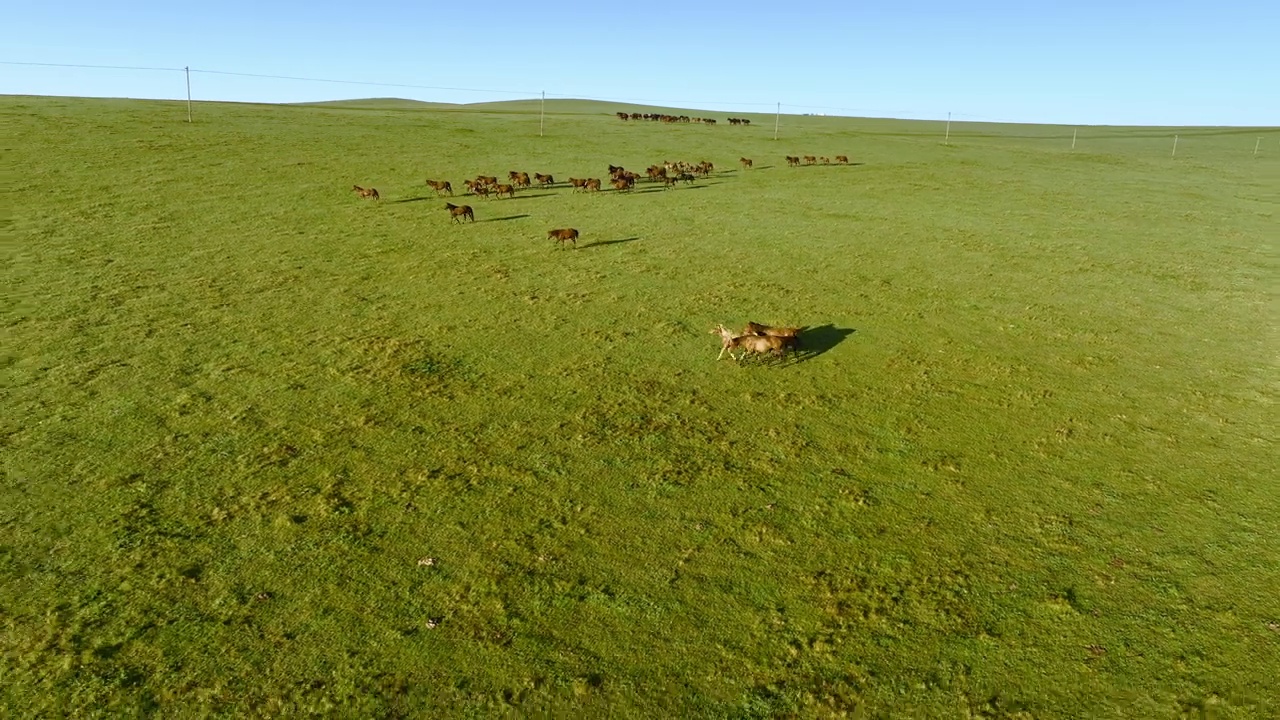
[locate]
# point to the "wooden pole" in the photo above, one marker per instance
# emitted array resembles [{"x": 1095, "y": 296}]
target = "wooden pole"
[
  {"x": 777, "y": 118},
  {"x": 1256, "y": 146},
  {"x": 542, "y": 115},
  {"x": 1073, "y": 138},
  {"x": 188, "y": 71},
  {"x": 1175, "y": 147},
  {"x": 947, "y": 140}
]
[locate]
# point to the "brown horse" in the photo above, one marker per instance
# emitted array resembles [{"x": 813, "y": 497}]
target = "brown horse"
[
  {"x": 746, "y": 163},
  {"x": 366, "y": 192},
  {"x": 592, "y": 185},
  {"x": 544, "y": 180},
  {"x": 440, "y": 186},
  {"x": 810, "y": 160},
  {"x": 621, "y": 185},
  {"x": 790, "y": 335},
  {"x": 578, "y": 183},
  {"x": 507, "y": 190},
  {"x": 562, "y": 235},
  {"x": 824, "y": 160},
  {"x": 458, "y": 212},
  {"x": 792, "y": 161},
  {"x": 842, "y": 159}
]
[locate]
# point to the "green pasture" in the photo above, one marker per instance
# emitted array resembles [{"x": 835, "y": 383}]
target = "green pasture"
[{"x": 273, "y": 450}]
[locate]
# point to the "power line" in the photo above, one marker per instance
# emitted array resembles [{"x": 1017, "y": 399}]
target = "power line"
[
  {"x": 94, "y": 67},
  {"x": 363, "y": 82}
]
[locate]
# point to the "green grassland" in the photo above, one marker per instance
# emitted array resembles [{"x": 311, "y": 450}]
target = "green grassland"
[{"x": 272, "y": 449}]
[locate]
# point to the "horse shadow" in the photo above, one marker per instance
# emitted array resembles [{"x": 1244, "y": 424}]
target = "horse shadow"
[
  {"x": 610, "y": 242},
  {"x": 500, "y": 219},
  {"x": 416, "y": 199},
  {"x": 525, "y": 197},
  {"x": 815, "y": 341}
]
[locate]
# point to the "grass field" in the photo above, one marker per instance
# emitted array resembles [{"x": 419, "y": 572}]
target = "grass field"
[{"x": 273, "y": 449}]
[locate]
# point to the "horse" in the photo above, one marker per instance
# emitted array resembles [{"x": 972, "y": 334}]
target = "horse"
[
  {"x": 810, "y": 160},
  {"x": 544, "y": 180},
  {"x": 507, "y": 190},
  {"x": 746, "y": 163},
  {"x": 842, "y": 159},
  {"x": 458, "y": 212},
  {"x": 792, "y": 161},
  {"x": 564, "y": 234},
  {"x": 440, "y": 186},
  {"x": 366, "y": 192}
]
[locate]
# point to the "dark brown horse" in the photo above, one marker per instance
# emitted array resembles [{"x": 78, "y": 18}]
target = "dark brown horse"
[
  {"x": 746, "y": 163},
  {"x": 458, "y": 212},
  {"x": 544, "y": 180},
  {"x": 507, "y": 190},
  {"x": 842, "y": 159},
  {"x": 564, "y": 235},
  {"x": 792, "y": 161},
  {"x": 440, "y": 186}
]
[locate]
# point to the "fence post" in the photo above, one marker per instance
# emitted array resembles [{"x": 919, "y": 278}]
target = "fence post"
[
  {"x": 1175, "y": 147},
  {"x": 777, "y": 118},
  {"x": 1256, "y": 146},
  {"x": 946, "y": 140},
  {"x": 542, "y": 115},
  {"x": 187, "y": 69},
  {"x": 1073, "y": 137}
]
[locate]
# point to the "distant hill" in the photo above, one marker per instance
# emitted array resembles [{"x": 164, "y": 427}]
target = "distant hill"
[{"x": 559, "y": 106}]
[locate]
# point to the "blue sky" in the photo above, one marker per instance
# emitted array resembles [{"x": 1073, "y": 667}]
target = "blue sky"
[{"x": 1088, "y": 62}]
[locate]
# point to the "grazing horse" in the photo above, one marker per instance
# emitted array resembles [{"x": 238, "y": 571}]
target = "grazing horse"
[
  {"x": 366, "y": 192},
  {"x": 792, "y": 161},
  {"x": 746, "y": 163},
  {"x": 842, "y": 159},
  {"x": 440, "y": 186},
  {"x": 564, "y": 235},
  {"x": 544, "y": 180},
  {"x": 458, "y": 212}
]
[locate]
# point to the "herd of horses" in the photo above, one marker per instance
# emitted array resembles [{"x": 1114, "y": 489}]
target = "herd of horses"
[
  {"x": 660, "y": 117},
  {"x": 757, "y": 339},
  {"x": 669, "y": 173},
  {"x": 796, "y": 161}
]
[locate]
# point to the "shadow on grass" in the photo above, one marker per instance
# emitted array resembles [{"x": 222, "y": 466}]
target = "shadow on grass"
[
  {"x": 524, "y": 197},
  {"x": 815, "y": 341},
  {"x": 677, "y": 189},
  {"x": 609, "y": 242},
  {"x": 509, "y": 217},
  {"x": 417, "y": 199}
]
